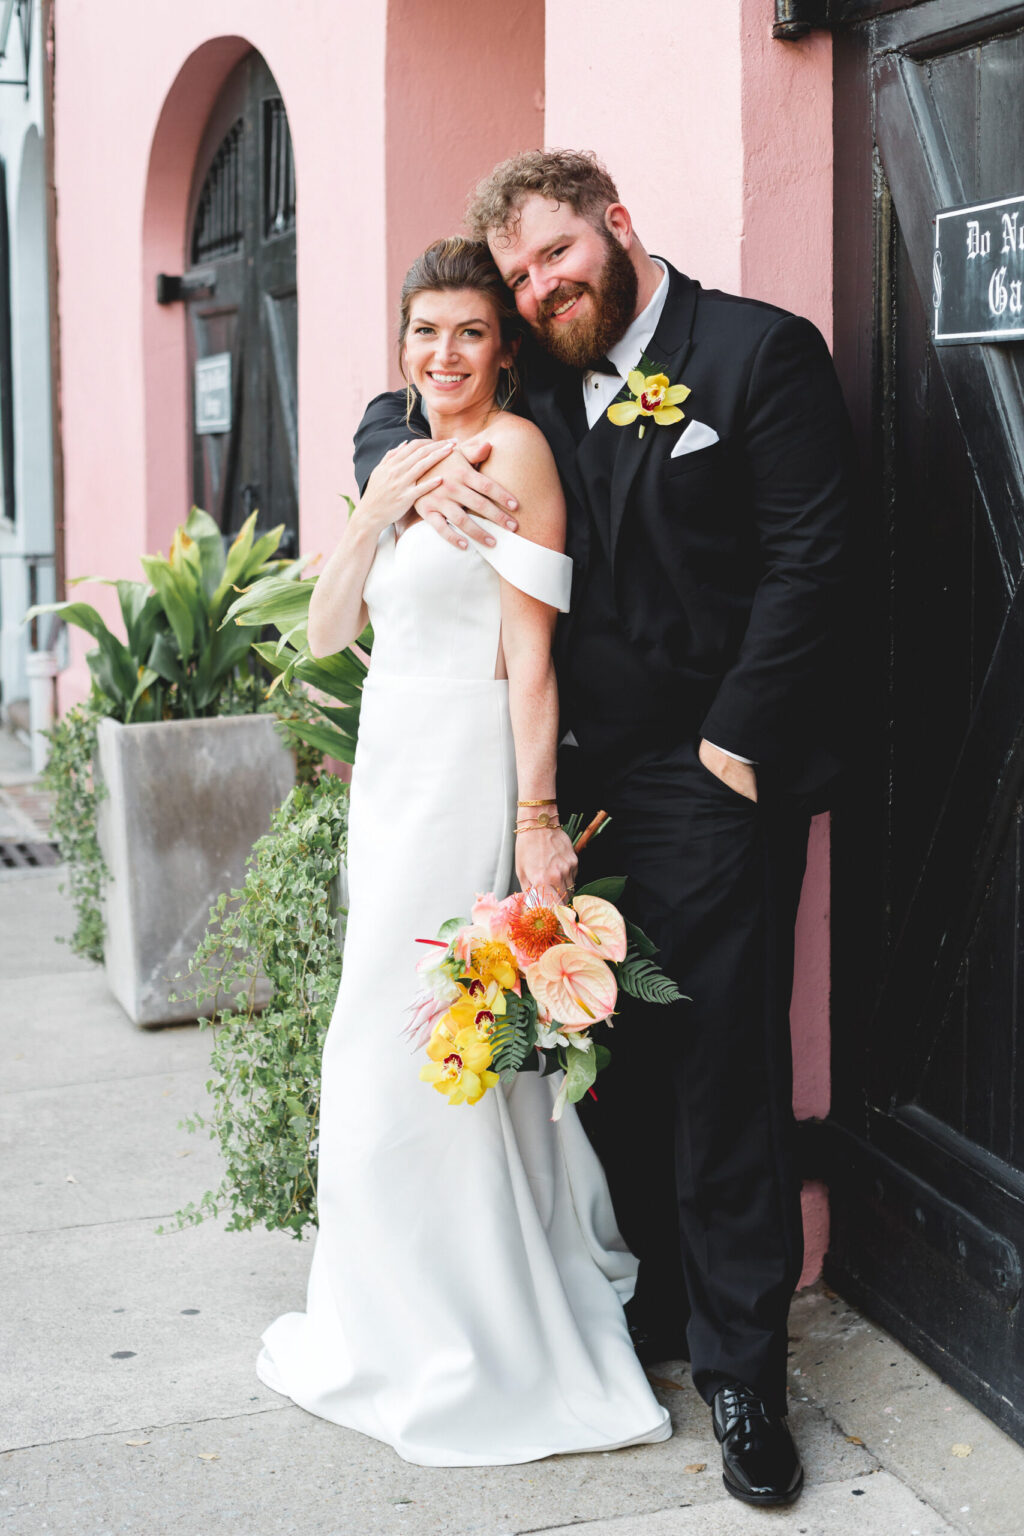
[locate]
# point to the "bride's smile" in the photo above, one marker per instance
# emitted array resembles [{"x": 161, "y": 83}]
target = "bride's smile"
[{"x": 453, "y": 354}]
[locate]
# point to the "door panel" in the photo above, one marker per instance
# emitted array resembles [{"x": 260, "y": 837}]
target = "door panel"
[
  {"x": 242, "y": 236},
  {"x": 926, "y": 1137}
]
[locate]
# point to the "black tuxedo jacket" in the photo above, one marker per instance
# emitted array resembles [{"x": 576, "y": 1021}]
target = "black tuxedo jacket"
[{"x": 748, "y": 534}]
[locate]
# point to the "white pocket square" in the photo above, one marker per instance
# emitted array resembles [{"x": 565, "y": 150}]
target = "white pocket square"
[{"x": 692, "y": 437}]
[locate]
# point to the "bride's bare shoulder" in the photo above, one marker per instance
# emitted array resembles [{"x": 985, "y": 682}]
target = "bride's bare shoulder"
[{"x": 521, "y": 461}]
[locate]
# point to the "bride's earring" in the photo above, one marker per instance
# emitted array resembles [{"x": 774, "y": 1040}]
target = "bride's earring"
[
  {"x": 513, "y": 384},
  {"x": 410, "y": 401}
]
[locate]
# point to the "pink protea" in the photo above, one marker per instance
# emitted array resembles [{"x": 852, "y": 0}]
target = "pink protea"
[
  {"x": 425, "y": 1010},
  {"x": 531, "y": 923}
]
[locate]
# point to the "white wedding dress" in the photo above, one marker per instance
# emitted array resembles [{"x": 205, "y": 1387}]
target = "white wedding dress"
[{"x": 466, "y": 1291}]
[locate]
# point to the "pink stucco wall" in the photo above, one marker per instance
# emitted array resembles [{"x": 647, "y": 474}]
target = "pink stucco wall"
[
  {"x": 461, "y": 97},
  {"x": 720, "y": 140},
  {"x": 123, "y": 359}
]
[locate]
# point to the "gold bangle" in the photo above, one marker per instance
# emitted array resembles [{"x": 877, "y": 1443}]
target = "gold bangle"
[
  {"x": 537, "y": 802},
  {"x": 545, "y": 819}
]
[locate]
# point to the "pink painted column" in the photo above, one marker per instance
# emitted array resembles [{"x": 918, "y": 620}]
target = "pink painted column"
[
  {"x": 720, "y": 141},
  {"x": 460, "y": 97}
]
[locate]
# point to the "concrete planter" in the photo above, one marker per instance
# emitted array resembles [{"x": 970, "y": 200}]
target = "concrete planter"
[{"x": 185, "y": 801}]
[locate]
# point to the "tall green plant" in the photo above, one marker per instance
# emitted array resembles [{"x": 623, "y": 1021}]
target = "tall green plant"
[
  {"x": 283, "y": 602},
  {"x": 178, "y": 659}
]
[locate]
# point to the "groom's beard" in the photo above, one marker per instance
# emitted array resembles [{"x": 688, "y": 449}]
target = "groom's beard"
[{"x": 584, "y": 342}]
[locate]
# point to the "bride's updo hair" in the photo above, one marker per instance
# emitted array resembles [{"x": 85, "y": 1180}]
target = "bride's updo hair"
[{"x": 458, "y": 263}]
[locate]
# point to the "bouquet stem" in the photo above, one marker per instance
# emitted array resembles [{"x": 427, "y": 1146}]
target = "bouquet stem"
[{"x": 591, "y": 830}]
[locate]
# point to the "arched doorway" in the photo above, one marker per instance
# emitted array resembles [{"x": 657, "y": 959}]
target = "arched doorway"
[{"x": 241, "y": 307}]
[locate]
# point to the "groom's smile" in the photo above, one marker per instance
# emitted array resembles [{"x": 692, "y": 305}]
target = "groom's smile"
[{"x": 573, "y": 279}]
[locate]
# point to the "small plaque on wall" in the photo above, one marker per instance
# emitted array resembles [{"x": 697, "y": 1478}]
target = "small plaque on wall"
[
  {"x": 978, "y": 272},
  {"x": 213, "y": 393}
]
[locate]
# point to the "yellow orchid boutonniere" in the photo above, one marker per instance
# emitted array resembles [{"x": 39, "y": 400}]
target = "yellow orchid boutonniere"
[{"x": 653, "y": 395}]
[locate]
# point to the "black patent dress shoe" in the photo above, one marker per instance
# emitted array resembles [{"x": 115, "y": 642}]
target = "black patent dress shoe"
[{"x": 760, "y": 1464}]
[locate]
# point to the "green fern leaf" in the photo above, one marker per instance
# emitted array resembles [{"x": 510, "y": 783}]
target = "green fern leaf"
[
  {"x": 514, "y": 1034},
  {"x": 641, "y": 978}
]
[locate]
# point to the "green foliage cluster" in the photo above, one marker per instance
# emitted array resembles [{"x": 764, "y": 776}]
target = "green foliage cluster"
[
  {"x": 68, "y": 773},
  {"x": 179, "y": 659},
  {"x": 266, "y": 1062},
  {"x": 283, "y": 601}
]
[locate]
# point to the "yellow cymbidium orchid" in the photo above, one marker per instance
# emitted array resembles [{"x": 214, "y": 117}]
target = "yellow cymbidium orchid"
[
  {"x": 458, "y": 1065},
  {"x": 653, "y": 396},
  {"x": 494, "y": 962},
  {"x": 474, "y": 1010}
]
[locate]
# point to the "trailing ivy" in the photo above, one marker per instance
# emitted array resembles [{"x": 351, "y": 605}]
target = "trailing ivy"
[
  {"x": 68, "y": 773},
  {"x": 265, "y": 1085}
]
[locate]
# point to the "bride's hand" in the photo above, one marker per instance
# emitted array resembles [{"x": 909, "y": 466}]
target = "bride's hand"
[
  {"x": 546, "y": 857},
  {"x": 398, "y": 480}
]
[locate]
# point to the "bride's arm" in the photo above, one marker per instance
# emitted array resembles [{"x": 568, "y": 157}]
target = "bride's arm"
[
  {"x": 543, "y": 857},
  {"x": 337, "y": 613}
]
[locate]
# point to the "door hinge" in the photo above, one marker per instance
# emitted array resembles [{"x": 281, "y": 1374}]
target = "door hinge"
[
  {"x": 795, "y": 18},
  {"x": 194, "y": 285}
]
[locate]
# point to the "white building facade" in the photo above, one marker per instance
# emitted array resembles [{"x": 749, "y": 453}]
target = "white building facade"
[{"x": 27, "y": 559}]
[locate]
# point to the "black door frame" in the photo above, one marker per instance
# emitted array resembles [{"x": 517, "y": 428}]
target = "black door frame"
[{"x": 895, "y": 1172}]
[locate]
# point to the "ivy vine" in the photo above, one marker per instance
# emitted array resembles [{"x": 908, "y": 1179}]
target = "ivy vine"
[{"x": 265, "y": 1061}]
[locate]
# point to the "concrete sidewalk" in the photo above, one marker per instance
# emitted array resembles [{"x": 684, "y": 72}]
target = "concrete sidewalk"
[{"x": 131, "y": 1407}]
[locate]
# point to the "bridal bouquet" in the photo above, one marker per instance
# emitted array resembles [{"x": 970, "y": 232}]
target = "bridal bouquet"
[{"x": 527, "y": 978}]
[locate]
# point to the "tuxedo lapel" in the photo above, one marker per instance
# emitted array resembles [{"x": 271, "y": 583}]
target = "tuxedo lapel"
[
  {"x": 669, "y": 349},
  {"x": 552, "y": 406}
]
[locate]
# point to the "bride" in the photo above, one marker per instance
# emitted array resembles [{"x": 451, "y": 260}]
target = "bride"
[{"x": 466, "y": 1291}]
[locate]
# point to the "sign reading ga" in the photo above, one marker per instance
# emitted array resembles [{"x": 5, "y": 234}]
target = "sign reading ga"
[
  {"x": 978, "y": 272},
  {"x": 213, "y": 393}
]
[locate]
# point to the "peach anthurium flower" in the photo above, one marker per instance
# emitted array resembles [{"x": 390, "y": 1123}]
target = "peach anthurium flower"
[
  {"x": 594, "y": 924},
  {"x": 653, "y": 396},
  {"x": 458, "y": 1069},
  {"x": 573, "y": 986}
]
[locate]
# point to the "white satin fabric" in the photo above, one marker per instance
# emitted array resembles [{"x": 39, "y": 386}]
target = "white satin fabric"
[{"x": 465, "y": 1298}]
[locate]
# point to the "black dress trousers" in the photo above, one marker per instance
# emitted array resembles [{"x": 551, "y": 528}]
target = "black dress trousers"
[{"x": 693, "y": 1119}]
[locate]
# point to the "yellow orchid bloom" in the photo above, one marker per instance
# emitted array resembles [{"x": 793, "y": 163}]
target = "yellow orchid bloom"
[
  {"x": 493, "y": 962},
  {"x": 460, "y": 1073},
  {"x": 653, "y": 396},
  {"x": 475, "y": 1010}
]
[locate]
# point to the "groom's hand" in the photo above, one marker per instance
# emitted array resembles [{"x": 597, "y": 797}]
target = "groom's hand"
[
  {"x": 741, "y": 777},
  {"x": 463, "y": 490}
]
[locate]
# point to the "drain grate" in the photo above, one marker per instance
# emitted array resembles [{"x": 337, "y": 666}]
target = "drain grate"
[{"x": 28, "y": 855}]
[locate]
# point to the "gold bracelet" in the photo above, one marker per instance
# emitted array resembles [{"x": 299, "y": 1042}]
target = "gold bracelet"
[
  {"x": 538, "y": 826},
  {"x": 538, "y": 802},
  {"x": 545, "y": 819}
]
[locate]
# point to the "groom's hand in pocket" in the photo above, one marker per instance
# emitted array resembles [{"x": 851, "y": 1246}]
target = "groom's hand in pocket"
[
  {"x": 740, "y": 777},
  {"x": 465, "y": 489}
]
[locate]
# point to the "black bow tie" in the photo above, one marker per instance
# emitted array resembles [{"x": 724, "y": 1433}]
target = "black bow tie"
[{"x": 604, "y": 366}]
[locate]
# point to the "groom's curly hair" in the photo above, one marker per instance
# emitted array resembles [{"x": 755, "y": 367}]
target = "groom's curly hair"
[{"x": 571, "y": 176}]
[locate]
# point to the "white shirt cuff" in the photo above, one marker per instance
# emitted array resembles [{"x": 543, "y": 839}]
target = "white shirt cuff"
[{"x": 750, "y": 761}]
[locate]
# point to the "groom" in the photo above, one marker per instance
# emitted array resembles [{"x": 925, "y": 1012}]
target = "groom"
[{"x": 697, "y": 681}]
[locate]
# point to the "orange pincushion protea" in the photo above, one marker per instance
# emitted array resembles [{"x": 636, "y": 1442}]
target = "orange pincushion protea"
[{"x": 531, "y": 923}]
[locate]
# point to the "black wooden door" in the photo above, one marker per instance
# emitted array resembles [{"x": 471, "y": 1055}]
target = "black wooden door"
[
  {"x": 925, "y": 1144},
  {"x": 242, "y": 238}
]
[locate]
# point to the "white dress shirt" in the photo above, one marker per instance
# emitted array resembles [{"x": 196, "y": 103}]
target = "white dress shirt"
[{"x": 600, "y": 389}]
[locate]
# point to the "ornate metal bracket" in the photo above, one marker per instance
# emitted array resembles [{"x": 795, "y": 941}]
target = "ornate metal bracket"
[{"x": 795, "y": 18}]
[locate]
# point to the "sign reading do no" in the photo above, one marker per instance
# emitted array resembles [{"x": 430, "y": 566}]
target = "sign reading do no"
[{"x": 978, "y": 272}]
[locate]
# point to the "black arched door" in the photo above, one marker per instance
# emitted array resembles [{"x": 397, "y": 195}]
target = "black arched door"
[
  {"x": 927, "y": 1126},
  {"x": 242, "y": 309}
]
